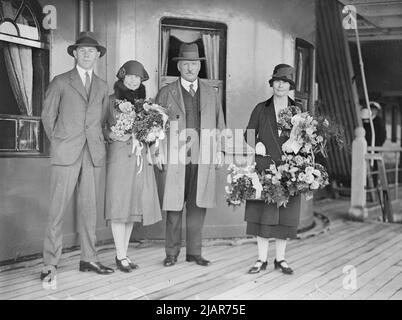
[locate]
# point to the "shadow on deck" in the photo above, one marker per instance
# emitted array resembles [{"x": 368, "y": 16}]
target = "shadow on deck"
[{"x": 351, "y": 260}]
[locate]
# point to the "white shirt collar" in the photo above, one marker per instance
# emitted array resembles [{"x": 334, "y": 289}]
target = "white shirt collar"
[
  {"x": 186, "y": 84},
  {"x": 82, "y": 72}
]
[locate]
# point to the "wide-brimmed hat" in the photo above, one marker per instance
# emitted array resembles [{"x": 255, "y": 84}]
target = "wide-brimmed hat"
[
  {"x": 86, "y": 39},
  {"x": 283, "y": 72},
  {"x": 132, "y": 67},
  {"x": 188, "y": 51}
]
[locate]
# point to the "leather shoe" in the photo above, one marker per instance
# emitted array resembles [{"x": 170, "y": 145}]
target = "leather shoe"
[
  {"x": 48, "y": 271},
  {"x": 258, "y": 266},
  {"x": 285, "y": 270},
  {"x": 169, "y": 261},
  {"x": 121, "y": 266},
  {"x": 96, "y": 267},
  {"x": 132, "y": 264},
  {"x": 198, "y": 260}
]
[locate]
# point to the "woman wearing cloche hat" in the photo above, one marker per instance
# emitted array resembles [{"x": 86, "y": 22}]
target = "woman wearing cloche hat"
[
  {"x": 130, "y": 192},
  {"x": 266, "y": 221}
]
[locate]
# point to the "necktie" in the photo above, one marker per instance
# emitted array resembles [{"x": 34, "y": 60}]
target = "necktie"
[
  {"x": 192, "y": 92},
  {"x": 87, "y": 83}
]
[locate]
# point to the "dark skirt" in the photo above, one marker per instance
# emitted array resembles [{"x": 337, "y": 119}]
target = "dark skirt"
[{"x": 268, "y": 221}]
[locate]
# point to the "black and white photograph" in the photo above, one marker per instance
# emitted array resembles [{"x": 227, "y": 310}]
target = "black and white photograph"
[{"x": 213, "y": 151}]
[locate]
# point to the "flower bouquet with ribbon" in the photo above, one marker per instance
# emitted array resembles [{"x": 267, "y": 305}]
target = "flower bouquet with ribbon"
[{"x": 146, "y": 121}]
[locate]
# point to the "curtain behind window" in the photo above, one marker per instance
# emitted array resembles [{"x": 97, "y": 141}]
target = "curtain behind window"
[
  {"x": 18, "y": 61},
  {"x": 211, "y": 46},
  {"x": 165, "y": 51}
]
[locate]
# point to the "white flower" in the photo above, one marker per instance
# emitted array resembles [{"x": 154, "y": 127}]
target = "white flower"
[
  {"x": 227, "y": 189},
  {"x": 229, "y": 179},
  {"x": 309, "y": 178},
  {"x": 317, "y": 173},
  {"x": 320, "y": 139},
  {"x": 310, "y": 131},
  {"x": 125, "y": 106},
  {"x": 314, "y": 185}
]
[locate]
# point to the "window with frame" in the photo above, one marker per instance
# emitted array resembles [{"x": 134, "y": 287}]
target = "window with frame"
[
  {"x": 24, "y": 75},
  {"x": 304, "y": 65},
  {"x": 210, "y": 38}
]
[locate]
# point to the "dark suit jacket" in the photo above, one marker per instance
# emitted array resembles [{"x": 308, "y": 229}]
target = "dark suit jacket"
[{"x": 70, "y": 119}]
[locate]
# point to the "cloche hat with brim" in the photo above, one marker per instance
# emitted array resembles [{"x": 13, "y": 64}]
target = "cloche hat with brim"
[
  {"x": 86, "y": 39},
  {"x": 132, "y": 67},
  {"x": 283, "y": 72}
]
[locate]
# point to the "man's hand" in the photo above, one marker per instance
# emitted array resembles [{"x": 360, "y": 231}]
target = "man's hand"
[
  {"x": 124, "y": 138},
  {"x": 260, "y": 149},
  {"x": 220, "y": 159}
]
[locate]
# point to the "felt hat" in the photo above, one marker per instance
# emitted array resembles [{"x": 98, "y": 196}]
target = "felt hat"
[
  {"x": 188, "y": 51},
  {"x": 86, "y": 39}
]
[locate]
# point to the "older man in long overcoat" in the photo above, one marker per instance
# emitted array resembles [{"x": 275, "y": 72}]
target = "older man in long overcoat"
[{"x": 192, "y": 153}]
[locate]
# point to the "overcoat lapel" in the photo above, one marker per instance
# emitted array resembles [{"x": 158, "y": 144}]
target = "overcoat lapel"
[
  {"x": 204, "y": 99},
  {"x": 177, "y": 96},
  {"x": 76, "y": 83}
]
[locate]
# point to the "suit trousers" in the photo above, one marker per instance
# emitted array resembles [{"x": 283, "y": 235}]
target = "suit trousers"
[
  {"x": 194, "y": 219},
  {"x": 64, "y": 179}
]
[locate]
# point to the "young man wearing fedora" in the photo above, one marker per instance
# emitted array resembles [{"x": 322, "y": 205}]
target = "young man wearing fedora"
[
  {"x": 72, "y": 116},
  {"x": 192, "y": 104}
]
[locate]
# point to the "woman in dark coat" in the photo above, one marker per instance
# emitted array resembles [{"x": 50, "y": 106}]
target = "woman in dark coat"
[
  {"x": 266, "y": 221},
  {"x": 131, "y": 192}
]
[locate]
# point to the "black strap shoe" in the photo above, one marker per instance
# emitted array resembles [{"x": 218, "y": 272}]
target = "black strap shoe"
[
  {"x": 285, "y": 270},
  {"x": 132, "y": 264},
  {"x": 258, "y": 266},
  {"x": 169, "y": 261},
  {"x": 122, "y": 267},
  {"x": 48, "y": 273},
  {"x": 198, "y": 260},
  {"x": 95, "y": 267}
]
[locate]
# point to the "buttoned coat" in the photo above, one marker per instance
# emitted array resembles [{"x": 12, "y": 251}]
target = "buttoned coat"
[
  {"x": 211, "y": 116},
  {"x": 129, "y": 190},
  {"x": 264, "y": 123},
  {"x": 70, "y": 118}
]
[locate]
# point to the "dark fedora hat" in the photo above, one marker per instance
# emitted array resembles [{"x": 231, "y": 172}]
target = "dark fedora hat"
[
  {"x": 86, "y": 39},
  {"x": 283, "y": 72},
  {"x": 188, "y": 51},
  {"x": 132, "y": 67}
]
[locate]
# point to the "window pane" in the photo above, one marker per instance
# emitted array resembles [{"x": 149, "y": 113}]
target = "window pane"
[
  {"x": 7, "y": 134},
  {"x": 28, "y": 135}
]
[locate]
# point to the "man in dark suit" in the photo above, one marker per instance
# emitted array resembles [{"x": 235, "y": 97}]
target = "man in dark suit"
[{"x": 73, "y": 114}]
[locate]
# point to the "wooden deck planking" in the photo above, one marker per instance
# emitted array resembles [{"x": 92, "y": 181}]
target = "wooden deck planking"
[
  {"x": 304, "y": 268},
  {"x": 246, "y": 286},
  {"x": 215, "y": 282},
  {"x": 101, "y": 283},
  {"x": 334, "y": 269},
  {"x": 373, "y": 248},
  {"x": 388, "y": 290},
  {"x": 363, "y": 263},
  {"x": 334, "y": 279}
]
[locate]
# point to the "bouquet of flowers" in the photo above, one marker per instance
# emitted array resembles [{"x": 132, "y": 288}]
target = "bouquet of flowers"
[
  {"x": 244, "y": 183},
  {"x": 147, "y": 122},
  {"x": 297, "y": 172}
]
